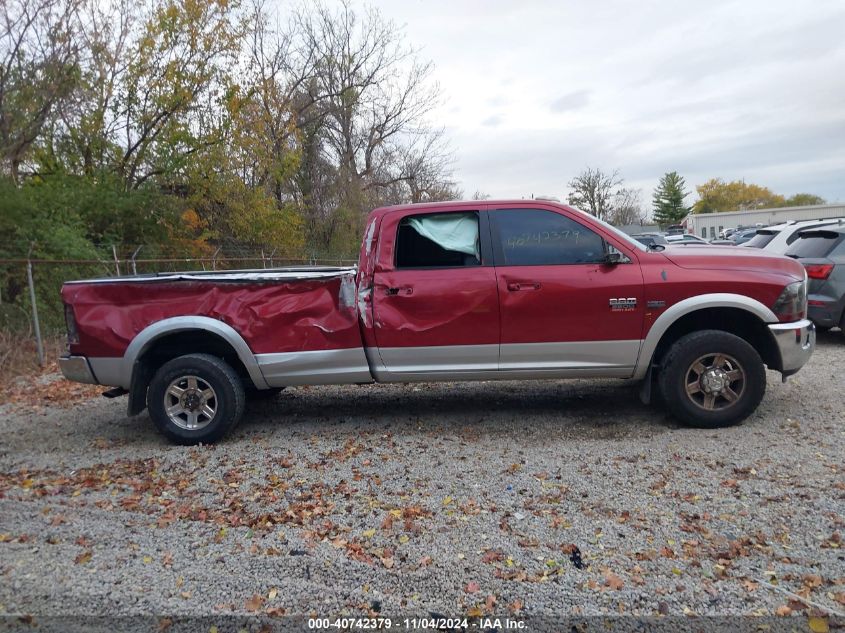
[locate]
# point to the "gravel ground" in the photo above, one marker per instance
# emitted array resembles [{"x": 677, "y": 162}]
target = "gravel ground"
[{"x": 524, "y": 498}]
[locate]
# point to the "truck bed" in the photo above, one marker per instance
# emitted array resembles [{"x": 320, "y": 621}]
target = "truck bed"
[{"x": 279, "y": 313}]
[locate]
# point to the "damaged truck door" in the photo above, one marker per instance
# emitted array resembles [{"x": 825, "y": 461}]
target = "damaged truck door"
[{"x": 435, "y": 301}]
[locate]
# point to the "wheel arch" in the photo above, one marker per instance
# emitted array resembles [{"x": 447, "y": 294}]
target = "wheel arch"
[
  {"x": 177, "y": 336},
  {"x": 736, "y": 314}
]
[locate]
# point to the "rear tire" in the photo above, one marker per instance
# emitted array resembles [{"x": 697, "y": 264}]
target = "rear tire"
[
  {"x": 197, "y": 398},
  {"x": 712, "y": 379}
]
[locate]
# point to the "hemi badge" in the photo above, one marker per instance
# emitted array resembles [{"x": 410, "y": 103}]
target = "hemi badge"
[
  {"x": 656, "y": 304},
  {"x": 623, "y": 304}
]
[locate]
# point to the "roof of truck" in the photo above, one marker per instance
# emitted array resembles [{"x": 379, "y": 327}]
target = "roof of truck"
[{"x": 515, "y": 202}]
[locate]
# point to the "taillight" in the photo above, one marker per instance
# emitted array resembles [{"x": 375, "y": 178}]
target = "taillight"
[
  {"x": 70, "y": 321},
  {"x": 818, "y": 271},
  {"x": 792, "y": 302}
]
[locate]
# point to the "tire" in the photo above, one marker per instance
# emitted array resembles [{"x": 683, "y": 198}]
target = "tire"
[
  {"x": 704, "y": 361},
  {"x": 196, "y": 416}
]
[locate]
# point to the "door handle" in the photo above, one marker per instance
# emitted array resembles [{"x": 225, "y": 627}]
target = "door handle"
[
  {"x": 404, "y": 290},
  {"x": 515, "y": 286}
]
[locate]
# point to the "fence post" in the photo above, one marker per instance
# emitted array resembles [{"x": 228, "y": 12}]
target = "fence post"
[
  {"x": 134, "y": 255},
  {"x": 116, "y": 262},
  {"x": 36, "y": 324}
]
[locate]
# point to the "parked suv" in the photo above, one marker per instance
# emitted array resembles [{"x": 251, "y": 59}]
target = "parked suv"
[
  {"x": 822, "y": 253},
  {"x": 778, "y": 238}
]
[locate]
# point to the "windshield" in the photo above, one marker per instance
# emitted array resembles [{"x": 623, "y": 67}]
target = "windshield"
[{"x": 761, "y": 239}]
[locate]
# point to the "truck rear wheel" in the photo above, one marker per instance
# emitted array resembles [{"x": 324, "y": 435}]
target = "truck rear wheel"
[
  {"x": 195, "y": 398},
  {"x": 712, "y": 379}
]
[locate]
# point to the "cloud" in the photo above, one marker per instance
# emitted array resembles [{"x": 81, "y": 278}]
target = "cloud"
[
  {"x": 571, "y": 101},
  {"x": 730, "y": 88}
]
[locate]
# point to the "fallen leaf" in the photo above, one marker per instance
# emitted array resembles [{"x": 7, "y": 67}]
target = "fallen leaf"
[
  {"x": 613, "y": 581},
  {"x": 818, "y": 625},
  {"x": 783, "y": 611},
  {"x": 83, "y": 558},
  {"x": 254, "y": 603},
  {"x": 472, "y": 587}
]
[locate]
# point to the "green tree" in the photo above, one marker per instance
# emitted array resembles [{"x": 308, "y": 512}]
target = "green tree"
[
  {"x": 669, "y": 207},
  {"x": 803, "y": 200}
]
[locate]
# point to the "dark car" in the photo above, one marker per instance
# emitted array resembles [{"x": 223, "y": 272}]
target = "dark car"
[
  {"x": 822, "y": 253},
  {"x": 650, "y": 239},
  {"x": 741, "y": 237}
]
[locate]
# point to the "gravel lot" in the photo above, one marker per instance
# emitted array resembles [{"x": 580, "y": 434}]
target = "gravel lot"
[{"x": 454, "y": 498}]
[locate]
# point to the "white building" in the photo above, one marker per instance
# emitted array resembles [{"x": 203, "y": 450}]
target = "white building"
[{"x": 709, "y": 225}]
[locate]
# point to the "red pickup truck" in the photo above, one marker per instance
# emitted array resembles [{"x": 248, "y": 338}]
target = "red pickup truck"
[{"x": 485, "y": 290}]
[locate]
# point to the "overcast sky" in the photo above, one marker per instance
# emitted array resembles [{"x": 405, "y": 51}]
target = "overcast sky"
[{"x": 534, "y": 91}]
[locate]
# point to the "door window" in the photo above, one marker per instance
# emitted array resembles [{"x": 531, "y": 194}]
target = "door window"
[
  {"x": 534, "y": 237},
  {"x": 438, "y": 240}
]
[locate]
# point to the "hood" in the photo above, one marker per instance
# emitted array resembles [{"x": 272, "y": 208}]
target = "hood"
[{"x": 733, "y": 258}]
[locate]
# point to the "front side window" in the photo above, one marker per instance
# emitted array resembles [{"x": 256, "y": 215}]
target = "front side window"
[
  {"x": 438, "y": 240},
  {"x": 534, "y": 237}
]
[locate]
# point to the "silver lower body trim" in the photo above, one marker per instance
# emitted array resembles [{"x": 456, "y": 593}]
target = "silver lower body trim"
[
  {"x": 110, "y": 371},
  {"x": 77, "y": 369},
  {"x": 572, "y": 355},
  {"x": 796, "y": 342},
  {"x": 321, "y": 367},
  {"x": 514, "y": 361}
]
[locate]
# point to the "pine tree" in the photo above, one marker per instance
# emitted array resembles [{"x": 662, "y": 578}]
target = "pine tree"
[{"x": 669, "y": 207}]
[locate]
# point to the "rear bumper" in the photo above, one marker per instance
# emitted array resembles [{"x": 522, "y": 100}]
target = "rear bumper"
[
  {"x": 77, "y": 369},
  {"x": 796, "y": 342}
]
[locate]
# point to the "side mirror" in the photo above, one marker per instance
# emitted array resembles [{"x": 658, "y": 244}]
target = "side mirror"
[{"x": 612, "y": 258}]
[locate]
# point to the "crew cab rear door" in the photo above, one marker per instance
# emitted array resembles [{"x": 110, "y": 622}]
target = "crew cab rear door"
[
  {"x": 565, "y": 311},
  {"x": 435, "y": 300}
]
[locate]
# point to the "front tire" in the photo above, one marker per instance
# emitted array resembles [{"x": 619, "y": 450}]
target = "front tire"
[
  {"x": 196, "y": 398},
  {"x": 712, "y": 379}
]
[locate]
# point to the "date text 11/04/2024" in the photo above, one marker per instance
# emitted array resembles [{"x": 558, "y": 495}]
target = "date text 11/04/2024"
[{"x": 433, "y": 623}]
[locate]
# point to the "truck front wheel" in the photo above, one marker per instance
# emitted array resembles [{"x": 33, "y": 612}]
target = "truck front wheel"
[
  {"x": 195, "y": 398},
  {"x": 712, "y": 379}
]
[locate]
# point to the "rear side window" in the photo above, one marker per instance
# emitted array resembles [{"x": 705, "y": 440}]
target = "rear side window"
[
  {"x": 438, "y": 240},
  {"x": 761, "y": 239},
  {"x": 534, "y": 237},
  {"x": 797, "y": 234},
  {"x": 815, "y": 244}
]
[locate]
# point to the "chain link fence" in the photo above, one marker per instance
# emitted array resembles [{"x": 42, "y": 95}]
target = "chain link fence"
[{"x": 30, "y": 302}]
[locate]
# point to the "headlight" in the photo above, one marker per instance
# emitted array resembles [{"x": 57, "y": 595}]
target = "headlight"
[
  {"x": 70, "y": 321},
  {"x": 792, "y": 302}
]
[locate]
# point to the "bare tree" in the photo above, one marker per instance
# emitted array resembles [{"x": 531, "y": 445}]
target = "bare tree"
[
  {"x": 593, "y": 191},
  {"x": 38, "y": 62},
  {"x": 84, "y": 132},
  {"x": 627, "y": 207}
]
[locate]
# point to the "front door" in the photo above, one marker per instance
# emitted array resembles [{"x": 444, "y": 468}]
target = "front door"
[
  {"x": 436, "y": 305},
  {"x": 564, "y": 309}
]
